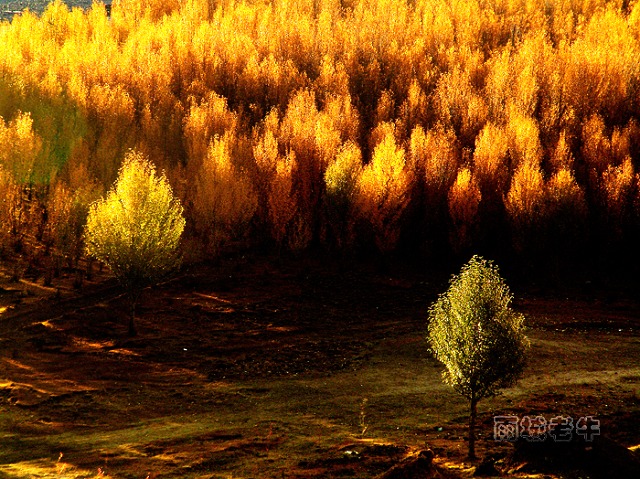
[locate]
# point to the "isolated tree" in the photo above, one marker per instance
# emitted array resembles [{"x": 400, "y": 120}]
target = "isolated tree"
[
  {"x": 478, "y": 337},
  {"x": 136, "y": 228}
]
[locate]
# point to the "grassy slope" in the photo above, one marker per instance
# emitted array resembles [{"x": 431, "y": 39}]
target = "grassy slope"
[{"x": 259, "y": 372}]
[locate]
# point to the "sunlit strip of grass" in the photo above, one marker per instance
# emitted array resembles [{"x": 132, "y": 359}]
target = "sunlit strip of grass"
[{"x": 47, "y": 468}]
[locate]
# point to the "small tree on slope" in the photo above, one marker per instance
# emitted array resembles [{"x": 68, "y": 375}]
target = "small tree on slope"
[
  {"x": 478, "y": 337},
  {"x": 136, "y": 228}
]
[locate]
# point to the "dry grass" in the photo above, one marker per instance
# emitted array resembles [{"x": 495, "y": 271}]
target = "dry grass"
[{"x": 269, "y": 375}]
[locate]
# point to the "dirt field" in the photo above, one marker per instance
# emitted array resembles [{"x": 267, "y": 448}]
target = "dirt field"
[{"x": 267, "y": 369}]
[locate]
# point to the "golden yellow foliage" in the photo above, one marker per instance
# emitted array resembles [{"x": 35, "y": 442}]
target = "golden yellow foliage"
[
  {"x": 490, "y": 162},
  {"x": 282, "y": 199},
  {"x": 383, "y": 192},
  {"x": 596, "y": 147},
  {"x": 341, "y": 177},
  {"x": 565, "y": 198},
  {"x": 19, "y": 149},
  {"x": 525, "y": 202},
  {"x": 111, "y": 114},
  {"x": 67, "y": 211},
  {"x": 136, "y": 228},
  {"x": 223, "y": 200},
  {"x": 601, "y": 65},
  {"x": 464, "y": 202},
  {"x": 341, "y": 182},
  {"x": 11, "y": 215},
  {"x": 298, "y": 127},
  {"x": 295, "y": 96},
  {"x": 58, "y": 209},
  {"x": 562, "y": 158},
  {"x": 434, "y": 161},
  {"x": 206, "y": 120},
  {"x": 340, "y": 112},
  {"x": 617, "y": 189},
  {"x": 459, "y": 106},
  {"x": 414, "y": 110},
  {"x": 524, "y": 139}
]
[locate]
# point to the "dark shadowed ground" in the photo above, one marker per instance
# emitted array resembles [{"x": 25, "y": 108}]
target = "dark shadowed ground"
[{"x": 258, "y": 369}]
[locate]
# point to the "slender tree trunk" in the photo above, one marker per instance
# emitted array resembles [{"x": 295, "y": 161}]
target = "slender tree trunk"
[
  {"x": 472, "y": 427},
  {"x": 132, "y": 321},
  {"x": 133, "y": 300}
]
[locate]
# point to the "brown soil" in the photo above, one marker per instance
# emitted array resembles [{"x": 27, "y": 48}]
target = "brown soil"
[{"x": 256, "y": 368}]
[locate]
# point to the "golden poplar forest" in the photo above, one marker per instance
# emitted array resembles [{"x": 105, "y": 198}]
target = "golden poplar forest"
[{"x": 420, "y": 126}]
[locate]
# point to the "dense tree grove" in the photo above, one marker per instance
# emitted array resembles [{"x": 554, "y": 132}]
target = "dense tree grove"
[{"x": 430, "y": 126}]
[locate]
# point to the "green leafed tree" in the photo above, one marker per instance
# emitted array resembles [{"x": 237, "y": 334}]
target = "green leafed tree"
[
  {"x": 478, "y": 337},
  {"x": 136, "y": 228}
]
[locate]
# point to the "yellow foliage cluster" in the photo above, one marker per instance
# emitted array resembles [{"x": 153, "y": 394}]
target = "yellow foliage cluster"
[
  {"x": 136, "y": 227},
  {"x": 383, "y": 191},
  {"x": 223, "y": 201},
  {"x": 303, "y": 122},
  {"x": 10, "y": 209},
  {"x": 464, "y": 203},
  {"x": 21, "y": 147}
]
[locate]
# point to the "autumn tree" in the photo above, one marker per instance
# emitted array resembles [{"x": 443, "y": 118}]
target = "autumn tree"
[
  {"x": 341, "y": 181},
  {"x": 10, "y": 207},
  {"x": 136, "y": 228},
  {"x": 478, "y": 337},
  {"x": 525, "y": 205},
  {"x": 540, "y": 105},
  {"x": 464, "y": 201},
  {"x": 383, "y": 189},
  {"x": 224, "y": 201}
]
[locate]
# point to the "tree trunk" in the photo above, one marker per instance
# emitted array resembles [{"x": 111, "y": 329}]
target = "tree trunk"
[
  {"x": 472, "y": 427},
  {"x": 133, "y": 298}
]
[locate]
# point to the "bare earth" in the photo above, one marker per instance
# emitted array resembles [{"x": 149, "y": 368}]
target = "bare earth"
[{"x": 262, "y": 369}]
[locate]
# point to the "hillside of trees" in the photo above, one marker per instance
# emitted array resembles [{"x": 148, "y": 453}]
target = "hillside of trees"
[{"x": 435, "y": 128}]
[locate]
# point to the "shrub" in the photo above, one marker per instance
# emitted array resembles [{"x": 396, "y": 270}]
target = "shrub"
[
  {"x": 433, "y": 164},
  {"x": 206, "y": 120},
  {"x": 20, "y": 148},
  {"x": 596, "y": 148},
  {"x": 566, "y": 211},
  {"x": 491, "y": 168},
  {"x": 524, "y": 139},
  {"x": 459, "y": 106},
  {"x": 414, "y": 110}
]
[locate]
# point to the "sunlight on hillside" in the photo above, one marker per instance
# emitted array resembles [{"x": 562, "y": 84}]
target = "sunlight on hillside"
[{"x": 48, "y": 469}]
